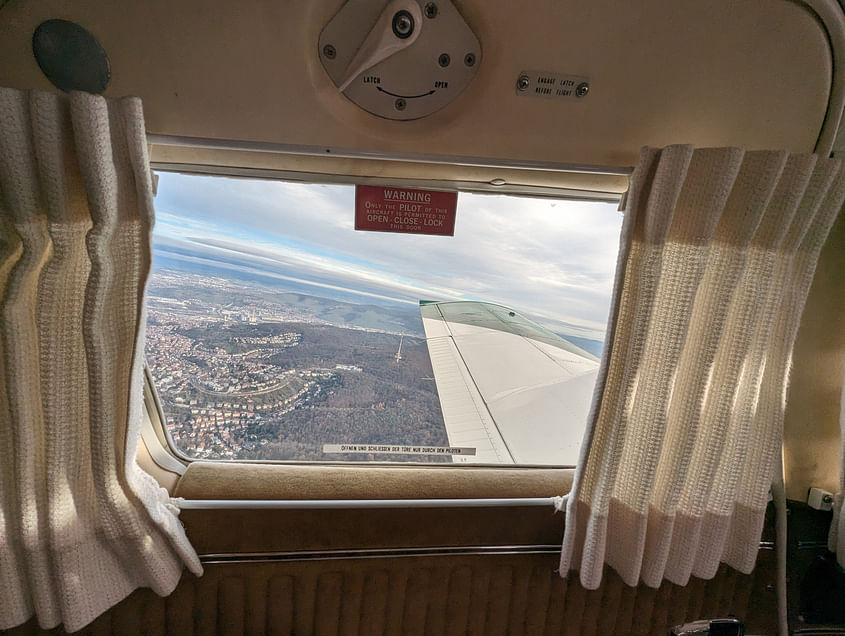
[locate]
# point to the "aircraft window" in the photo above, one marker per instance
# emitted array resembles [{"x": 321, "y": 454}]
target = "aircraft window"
[{"x": 277, "y": 332}]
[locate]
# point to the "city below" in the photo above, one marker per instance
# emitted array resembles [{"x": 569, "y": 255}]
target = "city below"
[{"x": 243, "y": 371}]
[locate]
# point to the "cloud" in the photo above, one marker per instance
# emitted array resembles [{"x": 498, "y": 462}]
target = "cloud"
[
  {"x": 553, "y": 259},
  {"x": 286, "y": 263}
]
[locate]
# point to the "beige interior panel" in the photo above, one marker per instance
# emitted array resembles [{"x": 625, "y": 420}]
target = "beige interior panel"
[
  {"x": 309, "y": 168},
  {"x": 753, "y": 73},
  {"x": 812, "y": 447}
]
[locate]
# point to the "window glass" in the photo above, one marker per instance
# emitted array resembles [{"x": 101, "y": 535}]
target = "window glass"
[{"x": 276, "y": 331}]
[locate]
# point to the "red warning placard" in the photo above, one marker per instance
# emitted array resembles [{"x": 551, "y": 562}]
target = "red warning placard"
[{"x": 388, "y": 209}]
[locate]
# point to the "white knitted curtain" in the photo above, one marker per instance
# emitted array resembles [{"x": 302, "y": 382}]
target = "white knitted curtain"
[
  {"x": 81, "y": 525},
  {"x": 718, "y": 251}
]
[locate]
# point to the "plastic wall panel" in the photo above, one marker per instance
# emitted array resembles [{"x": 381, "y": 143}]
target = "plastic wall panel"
[{"x": 484, "y": 595}]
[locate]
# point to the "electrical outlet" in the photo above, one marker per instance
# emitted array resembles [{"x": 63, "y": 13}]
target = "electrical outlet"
[{"x": 820, "y": 499}]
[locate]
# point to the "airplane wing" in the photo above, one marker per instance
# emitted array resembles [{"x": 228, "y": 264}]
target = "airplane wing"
[{"x": 516, "y": 392}]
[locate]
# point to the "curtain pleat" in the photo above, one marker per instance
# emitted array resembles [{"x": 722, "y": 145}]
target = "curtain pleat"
[
  {"x": 717, "y": 254},
  {"x": 81, "y": 525}
]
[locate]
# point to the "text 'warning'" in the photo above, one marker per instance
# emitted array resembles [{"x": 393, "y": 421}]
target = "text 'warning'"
[{"x": 387, "y": 209}]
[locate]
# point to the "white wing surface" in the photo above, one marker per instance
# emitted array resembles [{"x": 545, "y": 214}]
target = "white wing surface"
[{"x": 509, "y": 388}]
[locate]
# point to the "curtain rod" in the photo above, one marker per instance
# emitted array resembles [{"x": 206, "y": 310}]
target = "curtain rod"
[{"x": 343, "y": 153}]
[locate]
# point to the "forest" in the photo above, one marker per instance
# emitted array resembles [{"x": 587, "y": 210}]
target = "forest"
[{"x": 359, "y": 392}]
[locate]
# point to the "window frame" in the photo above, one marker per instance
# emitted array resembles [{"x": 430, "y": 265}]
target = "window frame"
[{"x": 164, "y": 451}]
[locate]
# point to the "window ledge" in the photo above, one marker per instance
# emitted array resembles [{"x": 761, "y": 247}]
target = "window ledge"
[{"x": 227, "y": 481}]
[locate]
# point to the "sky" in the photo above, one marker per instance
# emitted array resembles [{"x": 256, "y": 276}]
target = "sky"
[{"x": 552, "y": 259}]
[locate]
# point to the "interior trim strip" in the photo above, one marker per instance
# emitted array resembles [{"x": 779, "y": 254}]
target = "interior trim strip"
[
  {"x": 325, "y": 177},
  {"x": 151, "y": 420},
  {"x": 345, "y": 153},
  {"x": 830, "y": 15},
  {"x": 320, "y": 504},
  {"x": 379, "y": 553},
  {"x": 375, "y": 553},
  {"x": 160, "y": 456}
]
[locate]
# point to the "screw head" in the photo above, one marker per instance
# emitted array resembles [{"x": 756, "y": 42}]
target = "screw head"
[
  {"x": 400, "y": 104},
  {"x": 582, "y": 89},
  {"x": 444, "y": 60},
  {"x": 329, "y": 52},
  {"x": 403, "y": 24},
  {"x": 469, "y": 59},
  {"x": 430, "y": 10},
  {"x": 523, "y": 83}
]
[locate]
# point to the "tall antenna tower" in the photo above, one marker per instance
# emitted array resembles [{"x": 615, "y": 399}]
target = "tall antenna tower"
[{"x": 399, "y": 352}]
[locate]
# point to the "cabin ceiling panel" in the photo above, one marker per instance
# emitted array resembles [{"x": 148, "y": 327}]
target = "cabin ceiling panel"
[{"x": 753, "y": 73}]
